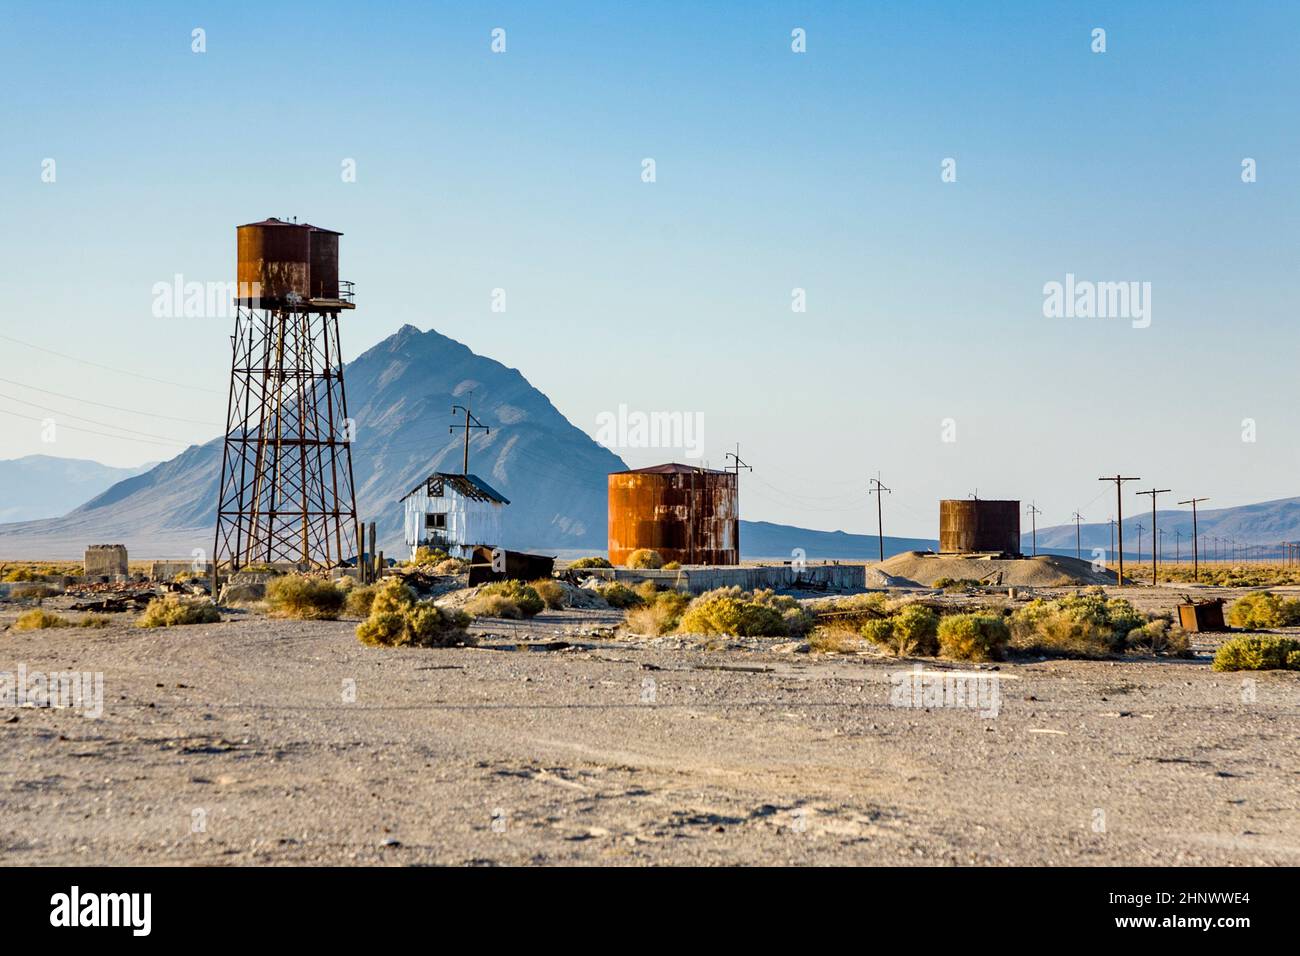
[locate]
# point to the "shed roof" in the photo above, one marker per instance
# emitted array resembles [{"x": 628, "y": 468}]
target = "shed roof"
[{"x": 470, "y": 486}]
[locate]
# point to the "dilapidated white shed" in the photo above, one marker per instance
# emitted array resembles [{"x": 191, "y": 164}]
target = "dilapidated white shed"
[{"x": 455, "y": 513}]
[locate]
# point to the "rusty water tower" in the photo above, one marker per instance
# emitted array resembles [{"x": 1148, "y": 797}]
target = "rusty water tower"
[
  {"x": 686, "y": 513},
  {"x": 976, "y": 524},
  {"x": 286, "y": 488}
]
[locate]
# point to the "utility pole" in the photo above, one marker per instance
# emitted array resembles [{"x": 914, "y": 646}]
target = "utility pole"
[
  {"x": 1033, "y": 518},
  {"x": 1141, "y": 528},
  {"x": 1119, "y": 505},
  {"x": 468, "y": 428},
  {"x": 1178, "y": 543},
  {"x": 1110, "y": 556},
  {"x": 1154, "y": 542},
  {"x": 1078, "y": 552},
  {"x": 736, "y": 466},
  {"x": 876, "y": 489},
  {"x": 1196, "y": 551}
]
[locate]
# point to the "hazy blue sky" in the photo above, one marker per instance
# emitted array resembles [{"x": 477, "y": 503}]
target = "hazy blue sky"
[{"x": 775, "y": 170}]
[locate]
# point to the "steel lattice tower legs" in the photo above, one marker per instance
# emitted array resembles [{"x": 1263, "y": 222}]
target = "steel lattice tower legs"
[{"x": 286, "y": 488}]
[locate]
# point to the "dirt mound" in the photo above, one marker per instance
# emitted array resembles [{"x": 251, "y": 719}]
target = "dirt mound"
[{"x": 1044, "y": 571}]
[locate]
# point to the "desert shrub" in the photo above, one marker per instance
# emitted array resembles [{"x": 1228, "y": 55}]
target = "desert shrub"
[
  {"x": 172, "y": 610},
  {"x": 304, "y": 598},
  {"x": 38, "y": 619},
  {"x": 834, "y": 639},
  {"x": 425, "y": 555},
  {"x": 914, "y": 629},
  {"x": 871, "y": 605},
  {"x": 1160, "y": 636},
  {"x": 973, "y": 637},
  {"x": 20, "y": 574},
  {"x": 398, "y": 620},
  {"x": 1078, "y": 625},
  {"x": 550, "y": 591},
  {"x": 1258, "y": 652},
  {"x": 661, "y": 615},
  {"x": 619, "y": 595},
  {"x": 94, "y": 620},
  {"x": 524, "y": 596},
  {"x": 493, "y": 605},
  {"x": 392, "y": 595},
  {"x": 646, "y": 591},
  {"x": 360, "y": 599},
  {"x": 958, "y": 584},
  {"x": 595, "y": 561},
  {"x": 383, "y": 629},
  {"x": 451, "y": 566},
  {"x": 672, "y": 566},
  {"x": 645, "y": 558},
  {"x": 1264, "y": 609},
  {"x": 744, "y": 614}
]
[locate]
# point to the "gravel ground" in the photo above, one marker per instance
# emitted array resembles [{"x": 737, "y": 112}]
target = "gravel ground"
[{"x": 235, "y": 743}]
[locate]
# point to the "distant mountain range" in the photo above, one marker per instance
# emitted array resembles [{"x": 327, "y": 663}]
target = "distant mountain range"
[
  {"x": 1263, "y": 525},
  {"x": 400, "y": 395},
  {"x": 42, "y": 486}
]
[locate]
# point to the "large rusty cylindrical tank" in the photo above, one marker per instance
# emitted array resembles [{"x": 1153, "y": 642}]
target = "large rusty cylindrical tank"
[
  {"x": 274, "y": 261},
  {"x": 687, "y": 514},
  {"x": 967, "y": 525}
]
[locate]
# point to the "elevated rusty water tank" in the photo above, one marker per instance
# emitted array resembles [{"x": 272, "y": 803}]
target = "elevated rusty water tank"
[
  {"x": 979, "y": 525},
  {"x": 278, "y": 258},
  {"x": 687, "y": 514}
]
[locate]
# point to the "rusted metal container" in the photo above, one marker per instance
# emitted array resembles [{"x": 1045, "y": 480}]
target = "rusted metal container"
[
  {"x": 517, "y": 565},
  {"x": 687, "y": 514},
  {"x": 1201, "y": 615},
  {"x": 324, "y": 263},
  {"x": 967, "y": 525},
  {"x": 279, "y": 260},
  {"x": 274, "y": 262}
]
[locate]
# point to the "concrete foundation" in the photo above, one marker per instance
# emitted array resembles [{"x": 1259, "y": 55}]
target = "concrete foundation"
[
  {"x": 106, "y": 560},
  {"x": 167, "y": 570},
  {"x": 845, "y": 577}
]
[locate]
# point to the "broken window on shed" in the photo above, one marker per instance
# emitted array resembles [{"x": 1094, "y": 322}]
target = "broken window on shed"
[
  {"x": 435, "y": 488},
  {"x": 435, "y": 521}
]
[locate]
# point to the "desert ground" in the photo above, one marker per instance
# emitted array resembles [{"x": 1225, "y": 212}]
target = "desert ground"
[{"x": 258, "y": 741}]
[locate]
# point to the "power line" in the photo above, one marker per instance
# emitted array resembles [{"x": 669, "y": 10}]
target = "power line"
[
  {"x": 92, "y": 421},
  {"x": 109, "y": 368},
  {"x": 91, "y": 431},
  {"x": 876, "y": 489},
  {"x": 1119, "y": 505},
  {"x": 116, "y": 408}
]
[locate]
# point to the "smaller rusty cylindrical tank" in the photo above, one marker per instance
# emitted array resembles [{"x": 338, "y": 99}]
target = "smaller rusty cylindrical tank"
[
  {"x": 279, "y": 259},
  {"x": 324, "y": 263},
  {"x": 687, "y": 514},
  {"x": 967, "y": 525}
]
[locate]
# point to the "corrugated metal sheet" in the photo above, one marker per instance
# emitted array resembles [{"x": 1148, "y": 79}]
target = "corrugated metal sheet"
[
  {"x": 979, "y": 525},
  {"x": 687, "y": 514}
]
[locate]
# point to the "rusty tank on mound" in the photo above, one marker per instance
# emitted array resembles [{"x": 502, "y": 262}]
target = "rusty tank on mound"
[{"x": 977, "y": 525}]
